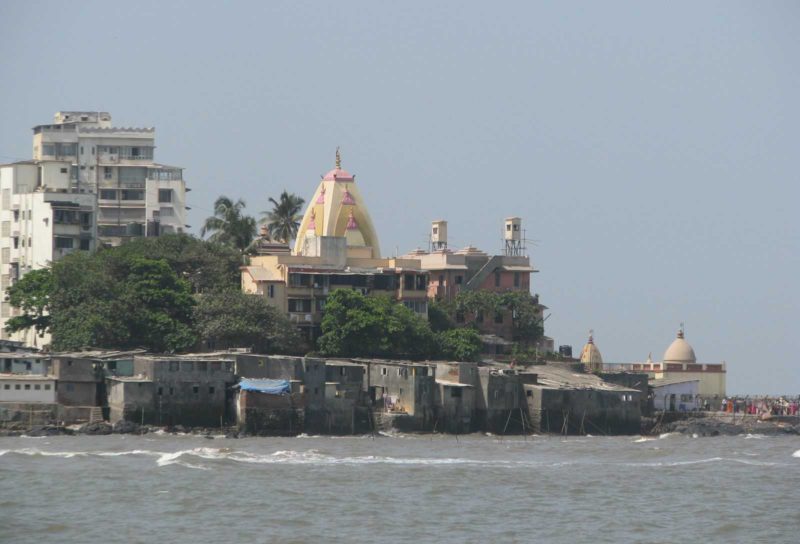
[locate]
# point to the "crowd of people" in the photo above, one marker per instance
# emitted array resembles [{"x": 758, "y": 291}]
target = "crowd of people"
[{"x": 776, "y": 406}]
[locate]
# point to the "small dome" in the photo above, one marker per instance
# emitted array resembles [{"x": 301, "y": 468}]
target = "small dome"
[
  {"x": 680, "y": 351},
  {"x": 590, "y": 355}
]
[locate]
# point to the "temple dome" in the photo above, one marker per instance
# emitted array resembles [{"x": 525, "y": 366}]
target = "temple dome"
[
  {"x": 337, "y": 210},
  {"x": 680, "y": 351},
  {"x": 590, "y": 355}
]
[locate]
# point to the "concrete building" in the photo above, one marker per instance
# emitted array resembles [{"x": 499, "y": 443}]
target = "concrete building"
[
  {"x": 135, "y": 195},
  {"x": 336, "y": 248},
  {"x": 401, "y": 394},
  {"x": 41, "y": 219},
  {"x": 26, "y": 388},
  {"x": 680, "y": 361},
  {"x": 470, "y": 269},
  {"x": 88, "y": 184},
  {"x": 567, "y": 400},
  {"x": 676, "y": 394}
]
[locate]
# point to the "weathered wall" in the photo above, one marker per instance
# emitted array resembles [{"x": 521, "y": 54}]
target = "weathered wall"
[
  {"x": 584, "y": 411},
  {"x": 275, "y": 415}
]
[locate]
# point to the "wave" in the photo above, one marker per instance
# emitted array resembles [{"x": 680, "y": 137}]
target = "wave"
[
  {"x": 703, "y": 461},
  {"x": 796, "y": 454}
]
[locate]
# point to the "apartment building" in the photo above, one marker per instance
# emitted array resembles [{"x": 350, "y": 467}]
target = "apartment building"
[{"x": 135, "y": 195}]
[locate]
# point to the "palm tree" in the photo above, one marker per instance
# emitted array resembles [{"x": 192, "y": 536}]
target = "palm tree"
[
  {"x": 229, "y": 225},
  {"x": 284, "y": 219}
]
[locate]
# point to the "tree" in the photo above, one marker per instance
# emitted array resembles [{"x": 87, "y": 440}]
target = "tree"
[
  {"x": 234, "y": 319},
  {"x": 206, "y": 265},
  {"x": 439, "y": 316},
  {"x": 229, "y": 225},
  {"x": 459, "y": 344},
  {"x": 284, "y": 218},
  {"x": 527, "y": 324},
  {"x": 112, "y": 299},
  {"x": 31, "y": 294},
  {"x": 355, "y": 325}
]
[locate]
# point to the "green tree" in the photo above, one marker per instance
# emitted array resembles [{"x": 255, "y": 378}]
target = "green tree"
[
  {"x": 459, "y": 344},
  {"x": 284, "y": 218},
  {"x": 528, "y": 327},
  {"x": 111, "y": 299},
  {"x": 206, "y": 265},
  {"x": 31, "y": 295},
  {"x": 439, "y": 316},
  {"x": 355, "y": 325},
  {"x": 234, "y": 319},
  {"x": 229, "y": 225}
]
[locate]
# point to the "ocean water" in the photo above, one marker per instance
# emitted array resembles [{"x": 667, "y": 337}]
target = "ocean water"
[{"x": 400, "y": 488}]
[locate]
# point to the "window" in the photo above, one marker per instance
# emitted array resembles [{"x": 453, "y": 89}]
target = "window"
[
  {"x": 196, "y": 389},
  {"x": 202, "y": 366},
  {"x": 300, "y": 305},
  {"x": 271, "y": 291},
  {"x": 37, "y": 387},
  {"x": 408, "y": 282},
  {"x": 165, "y": 195},
  {"x": 63, "y": 242},
  {"x": 47, "y": 387},
  {"x": 7, "y": 386},
  {"x": 498, "y": 317},
  {"x": 174, "y": 366},
  {"x": 516, "y": 279},
  {"x": 107, "y": 172},
  {"x": 187, "y": 366},
  {"x": 160, "y": 391},
  {"x": 422, "y": 283},
  {"x": 497, "y": 279},
  {"x": 85, "y": 244},
  {"x": 132, "y": 194},
  {"x": 81, "y": 150},
  {"x": 63, "y": 170},
  {"x": 508, "y": 226},
  {"x": 17, "y": 387},
  {"x": 27, "y": 387},
  {"x": 69, "y": 363},
  {"x": 108, "y": 194},
  {"x": 343, "y": 371},
  {"x": 210, "y": 389},
  {"x": 383, "y": 371},
  {"x": 529, "y": 393},
  {"x": 459, "y": 280},
  {"x": 455, "y": 392}
]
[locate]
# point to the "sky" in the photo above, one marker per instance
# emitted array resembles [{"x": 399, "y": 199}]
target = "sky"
[{"x": 651, "y": 149}]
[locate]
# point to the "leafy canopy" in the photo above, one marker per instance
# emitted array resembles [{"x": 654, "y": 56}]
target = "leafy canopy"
[
  {"x": 229, "y": 225},
  {"x": 234, "y": 319},
  {"x": 284, "y": 218}
]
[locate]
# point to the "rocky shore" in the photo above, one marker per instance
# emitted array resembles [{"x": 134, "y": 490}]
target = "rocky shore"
[{"x": 706, "y": 426}]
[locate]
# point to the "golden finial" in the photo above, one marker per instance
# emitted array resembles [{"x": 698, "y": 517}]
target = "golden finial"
[{"x": 338, "y": 159}]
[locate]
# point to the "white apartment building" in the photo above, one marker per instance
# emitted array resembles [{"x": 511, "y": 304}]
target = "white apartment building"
[
  {"x": 135, "y": 195},
  {"x": 88, "y": 184},
  {"x": 41, "y": 220}
]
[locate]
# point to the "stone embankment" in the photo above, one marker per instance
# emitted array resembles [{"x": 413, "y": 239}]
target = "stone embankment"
[
  {"x": 103, "y": 428},
  {"x": 710, "y": 426}
]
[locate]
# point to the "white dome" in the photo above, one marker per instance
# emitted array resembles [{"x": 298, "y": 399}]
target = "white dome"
[{"x": 679, "y": 351}]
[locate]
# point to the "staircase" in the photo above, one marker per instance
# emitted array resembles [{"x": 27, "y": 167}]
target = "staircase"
[
  {"x": 96, "y": 414},
  {"x": 484, "y": 272}
]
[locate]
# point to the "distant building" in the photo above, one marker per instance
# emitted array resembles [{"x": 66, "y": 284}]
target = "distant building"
[
  {"x": 590, "y": 355},
  {"x": 680, "y": 361},
  {"x": 471, "y": 269},
  {"x": 135, "y": 195},
  {"x": 336, "y": 248},
  {"x": 88, "y": 184}
]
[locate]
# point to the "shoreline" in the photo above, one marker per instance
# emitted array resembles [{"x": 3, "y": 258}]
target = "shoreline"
[{"x": 691, "y": 426}]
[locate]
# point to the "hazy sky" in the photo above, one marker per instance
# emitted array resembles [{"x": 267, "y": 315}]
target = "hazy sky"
[{"x": 652, "y": 150}]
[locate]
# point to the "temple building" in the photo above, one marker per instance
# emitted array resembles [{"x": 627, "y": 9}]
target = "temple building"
[
  {"x": 336, "y": 247},
  {"x": 590, "y": 356},
  {"x": 679, "y": 364}
]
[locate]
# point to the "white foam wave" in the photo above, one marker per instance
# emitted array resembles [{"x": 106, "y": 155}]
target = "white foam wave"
[
  {"x": 703, "y": 461},
  {"x": 664, "y": 435},
  {"x": 796, "y": 454},
  {"x": 644, "y": 439},
  {"x": 757, "y": 436}
]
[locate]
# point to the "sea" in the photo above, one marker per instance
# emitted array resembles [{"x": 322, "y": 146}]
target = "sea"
[{"x": 400, "y": 488}]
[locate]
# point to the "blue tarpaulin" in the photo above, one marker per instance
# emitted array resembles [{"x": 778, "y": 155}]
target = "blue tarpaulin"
[{"x": 270, "y": 387}]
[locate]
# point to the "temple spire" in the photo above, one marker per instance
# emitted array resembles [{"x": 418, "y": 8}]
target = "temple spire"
[{"x": 338, "y": 159}]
